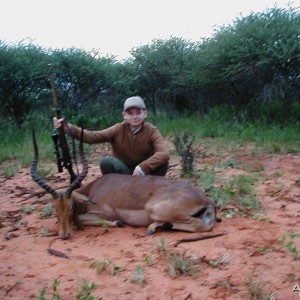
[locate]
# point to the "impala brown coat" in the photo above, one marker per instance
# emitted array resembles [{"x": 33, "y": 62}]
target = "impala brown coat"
[{"x": 149, "y": 201}]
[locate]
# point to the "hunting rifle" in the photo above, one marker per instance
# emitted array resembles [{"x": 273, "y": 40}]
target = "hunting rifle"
[{"x": 60, "y": 142}]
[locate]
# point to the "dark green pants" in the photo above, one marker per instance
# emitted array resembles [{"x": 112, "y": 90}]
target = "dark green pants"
[{"x": 110, "y": 164}]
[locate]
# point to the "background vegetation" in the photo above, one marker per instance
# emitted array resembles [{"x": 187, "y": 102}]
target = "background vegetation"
[{"x": 244, "y": 82}]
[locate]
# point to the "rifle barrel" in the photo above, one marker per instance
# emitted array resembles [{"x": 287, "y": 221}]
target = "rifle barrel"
[{"x": 65, "y": 159}]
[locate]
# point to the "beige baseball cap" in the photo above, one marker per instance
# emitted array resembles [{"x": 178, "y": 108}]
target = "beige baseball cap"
[{"x": 135, "y": 101}]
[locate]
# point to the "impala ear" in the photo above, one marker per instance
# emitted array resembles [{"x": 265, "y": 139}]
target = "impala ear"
[{"x": 79, "y": 198}]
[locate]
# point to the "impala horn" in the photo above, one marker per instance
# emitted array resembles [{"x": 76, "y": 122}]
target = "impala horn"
[
  {"x": 44, "y": 185},
  {"x": 34, "y": 174},
  {"x": 84, "y": 171}
]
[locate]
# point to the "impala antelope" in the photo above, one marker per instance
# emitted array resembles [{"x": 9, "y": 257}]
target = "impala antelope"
[{"x": 114, "y": 199}]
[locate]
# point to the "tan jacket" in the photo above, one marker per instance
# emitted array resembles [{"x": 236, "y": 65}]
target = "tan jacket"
[{"x": 145, "y": 148}]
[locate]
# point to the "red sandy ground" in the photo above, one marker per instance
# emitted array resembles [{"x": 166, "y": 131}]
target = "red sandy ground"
[{"x": 251, "y": 245}]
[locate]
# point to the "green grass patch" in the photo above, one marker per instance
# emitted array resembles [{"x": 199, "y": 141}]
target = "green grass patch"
[
  {"x": 218, "y": 132},
  {"x": 270, "y": 138},
  {"x": 100, "y": 266},
  {"x": 10, "y": 171},
  {"x": 240, "y": 189},
  {"x": 181, "y": 265},
  {"x": 16, "y": 144}
]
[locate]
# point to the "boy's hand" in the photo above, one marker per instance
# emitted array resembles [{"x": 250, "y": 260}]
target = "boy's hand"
[
  {"x": 138, "y": 171},
  {"x": 57, "y": 122}
]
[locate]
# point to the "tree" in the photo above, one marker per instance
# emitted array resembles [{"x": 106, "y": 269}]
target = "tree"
[
  {"x": 257, "y": 58},
  {"x": 81, "y": 77},
  {"x": 162, "y": 69},
  {"x": 22, "y": 75}
]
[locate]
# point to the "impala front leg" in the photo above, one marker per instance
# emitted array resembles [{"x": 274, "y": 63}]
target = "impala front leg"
[{"x": 95, "y": 220}]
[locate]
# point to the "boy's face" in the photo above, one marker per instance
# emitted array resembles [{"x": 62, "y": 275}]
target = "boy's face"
[{"x": 135, "y": 116}]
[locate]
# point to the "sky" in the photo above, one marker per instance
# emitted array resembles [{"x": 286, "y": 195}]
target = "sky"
[{"x": 114, "y": 27}]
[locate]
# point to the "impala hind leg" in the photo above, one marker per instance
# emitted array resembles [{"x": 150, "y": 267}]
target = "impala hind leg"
[
  {"x": 202, "y": 221},
  {"x": 193, "y": 226}
]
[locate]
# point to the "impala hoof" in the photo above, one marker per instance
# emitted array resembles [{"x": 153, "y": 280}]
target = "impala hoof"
[
  {"x": 119, "y": 223},
  {"x": 150, "y": 232},
  {"x": 167, "y": 226}
]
